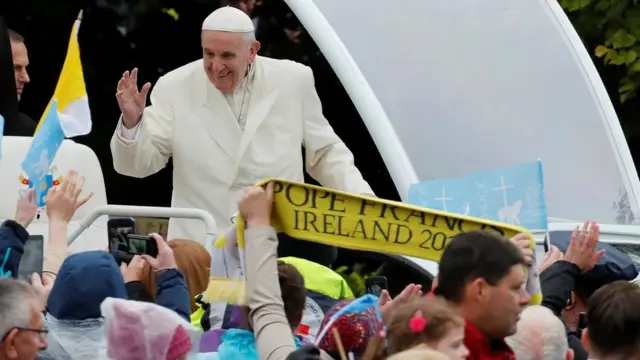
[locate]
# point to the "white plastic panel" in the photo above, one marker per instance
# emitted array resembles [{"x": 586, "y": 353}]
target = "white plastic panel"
[
  {"x": 70, "y": 156},
  {"x": 469, "y": 85}
]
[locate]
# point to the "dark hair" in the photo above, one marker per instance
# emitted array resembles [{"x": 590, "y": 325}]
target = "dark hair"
[
  {"x": 440, "y": 318},
  {"x": 15, "y": 37},
  {"x": 613, "y": 320},
  {"x": 473, "y": 255},
  {"x": 294, "y": 294},
  {"x": 585, "y": 288}
]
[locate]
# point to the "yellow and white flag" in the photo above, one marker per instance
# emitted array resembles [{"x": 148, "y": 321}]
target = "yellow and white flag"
[{"x": 71, "y": 92}]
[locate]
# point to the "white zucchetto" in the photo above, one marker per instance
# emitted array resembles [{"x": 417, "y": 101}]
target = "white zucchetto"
[{"x": 228, "y": 19}]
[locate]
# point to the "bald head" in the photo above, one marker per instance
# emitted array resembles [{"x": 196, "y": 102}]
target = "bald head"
[
  {"x": 540, "y": 336},
  {"x": 228, "y": 47}
]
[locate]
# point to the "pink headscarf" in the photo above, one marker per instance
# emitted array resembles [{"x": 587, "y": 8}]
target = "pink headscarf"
[{"x": 140, "y": 330}]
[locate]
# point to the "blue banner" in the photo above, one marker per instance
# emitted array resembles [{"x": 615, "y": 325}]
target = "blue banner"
[
  {"x": 513, "y": 195},
  {"x": 44, "y": 146}
]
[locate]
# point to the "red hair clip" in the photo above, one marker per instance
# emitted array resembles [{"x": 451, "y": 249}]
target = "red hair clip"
[{"x": 417, "y": 323}]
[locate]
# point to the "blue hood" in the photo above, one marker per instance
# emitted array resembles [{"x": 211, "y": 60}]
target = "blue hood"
[{"x": 85, "y": 279}]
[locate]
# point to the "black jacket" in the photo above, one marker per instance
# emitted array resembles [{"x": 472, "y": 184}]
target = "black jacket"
[
  {"x": 22, "y": 126},
  {"x": 557, "y": 282},
  {"x": 8, "y": 93}
]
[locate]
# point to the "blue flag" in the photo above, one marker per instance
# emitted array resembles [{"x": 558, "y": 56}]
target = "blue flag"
[
  {"x": 358, "y": 305},
  {"x": 44, "y": 146},
  {"x": 513, "y": 195},
  {"x": 1, "y": 134}
]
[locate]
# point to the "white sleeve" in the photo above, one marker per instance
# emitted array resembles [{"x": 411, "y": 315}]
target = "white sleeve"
[
  {"x": 146, "y": 149},
  {"x": 127, "y": 135},
  {"x": 328, "y": 160}
]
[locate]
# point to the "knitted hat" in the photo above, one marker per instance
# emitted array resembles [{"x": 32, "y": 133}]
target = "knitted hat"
[
  {"x": 354, "y": 329},
  {"x": 180, "y": 344},
  {"x": 141, "y": 330}
]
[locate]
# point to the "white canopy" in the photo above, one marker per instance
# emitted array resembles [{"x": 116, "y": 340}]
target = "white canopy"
[{"x": 468, "y": 85}]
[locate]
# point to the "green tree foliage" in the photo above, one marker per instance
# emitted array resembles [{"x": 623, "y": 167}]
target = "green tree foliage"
[
  {"x": 355, "y": 277},
  {"x": 611, "y": 31}
]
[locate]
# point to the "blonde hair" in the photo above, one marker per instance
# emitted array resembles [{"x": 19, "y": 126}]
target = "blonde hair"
[
  {"x": 194, "y": 262},
  {"x": 439, "y": 318}
]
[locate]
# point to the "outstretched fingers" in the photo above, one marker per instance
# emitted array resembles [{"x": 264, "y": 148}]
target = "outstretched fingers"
[
  {"x": 133, "y": 80},
  {"x": 145, "y": 90}
]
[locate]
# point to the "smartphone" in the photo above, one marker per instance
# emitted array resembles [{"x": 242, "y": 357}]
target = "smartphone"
[
  {"x": 32, "y": 258},
  {"x": 375, "y": 284},
  {"x": 121, "y": 226},
  {"x": 142, "y": 245},
  {"x": 125, "y": 247},
  {"x": 547, "y": 243}
]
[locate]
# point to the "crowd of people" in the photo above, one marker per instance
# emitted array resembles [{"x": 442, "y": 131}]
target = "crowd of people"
[{"x": 87, "y": 306}]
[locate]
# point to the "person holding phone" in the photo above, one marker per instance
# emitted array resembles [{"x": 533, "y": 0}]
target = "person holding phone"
[
  {"x": 14, "y": 235},
  {"x": 172, "y": 291}
]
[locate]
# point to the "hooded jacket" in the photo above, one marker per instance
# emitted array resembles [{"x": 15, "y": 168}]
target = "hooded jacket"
[{"x": 85, "y": 279}]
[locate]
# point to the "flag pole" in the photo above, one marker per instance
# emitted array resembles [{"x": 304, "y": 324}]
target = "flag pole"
[{"x": 74, "y": 29}]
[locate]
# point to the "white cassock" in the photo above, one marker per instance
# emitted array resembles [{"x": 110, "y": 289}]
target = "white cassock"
[{"x": 222, "y": 144}]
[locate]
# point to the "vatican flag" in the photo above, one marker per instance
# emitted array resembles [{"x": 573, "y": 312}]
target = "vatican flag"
[{"x": 71, "y": 92}]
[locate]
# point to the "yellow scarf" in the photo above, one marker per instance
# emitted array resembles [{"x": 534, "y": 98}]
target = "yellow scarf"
[{"x": 358, "y": 222}]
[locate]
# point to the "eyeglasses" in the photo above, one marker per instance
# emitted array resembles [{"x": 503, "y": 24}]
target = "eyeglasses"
[{"x": 41, "y": 332}]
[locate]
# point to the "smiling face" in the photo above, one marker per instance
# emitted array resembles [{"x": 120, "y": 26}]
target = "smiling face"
[{"x": 226, "y": 57}]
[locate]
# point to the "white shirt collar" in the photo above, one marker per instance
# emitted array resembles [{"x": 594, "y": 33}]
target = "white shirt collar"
[{"x": 247, "y": 79}]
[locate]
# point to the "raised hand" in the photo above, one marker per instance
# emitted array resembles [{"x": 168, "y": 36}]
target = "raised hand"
[
  {"x": 387, "y": 304},
  {"x": 27, "y": 208},
  {"x": 130, "y": 100},
  {"x": 582, "y": 246},
  {"x": 551, "y": 257},
  {"x": 132, "y": 271},
  {"x": 165, "y": 259},
  {"x": 64, "y": 200},
  {"x": 43, "y": 285},
  {"x": 255, "y": 205},
  {"x": 523, "y": 242}
]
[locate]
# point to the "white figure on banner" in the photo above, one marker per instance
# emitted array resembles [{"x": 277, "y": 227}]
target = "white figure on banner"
[
  {"x": 42, "y": 166},
  {"x": 444, "y": 199},
  {"x": 423, "y": 197},
  {"x": 509, "y": 214},
  {"x": 466, "y": 210}
]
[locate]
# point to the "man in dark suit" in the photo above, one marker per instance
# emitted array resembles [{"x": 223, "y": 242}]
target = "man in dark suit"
[{"x": 14, "y": 60}]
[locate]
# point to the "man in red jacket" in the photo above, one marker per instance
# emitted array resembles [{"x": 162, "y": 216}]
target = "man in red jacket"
[{"x": 483, "y": 275}]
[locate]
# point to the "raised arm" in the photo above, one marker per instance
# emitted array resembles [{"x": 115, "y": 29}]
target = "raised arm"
[{"x": 141, "y": 144}]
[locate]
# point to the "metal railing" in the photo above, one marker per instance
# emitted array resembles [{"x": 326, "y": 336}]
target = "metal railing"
[{"x": 149, "y": 211}]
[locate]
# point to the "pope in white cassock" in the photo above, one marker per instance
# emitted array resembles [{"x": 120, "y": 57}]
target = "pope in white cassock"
[{"x": 229, "y": 120}]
